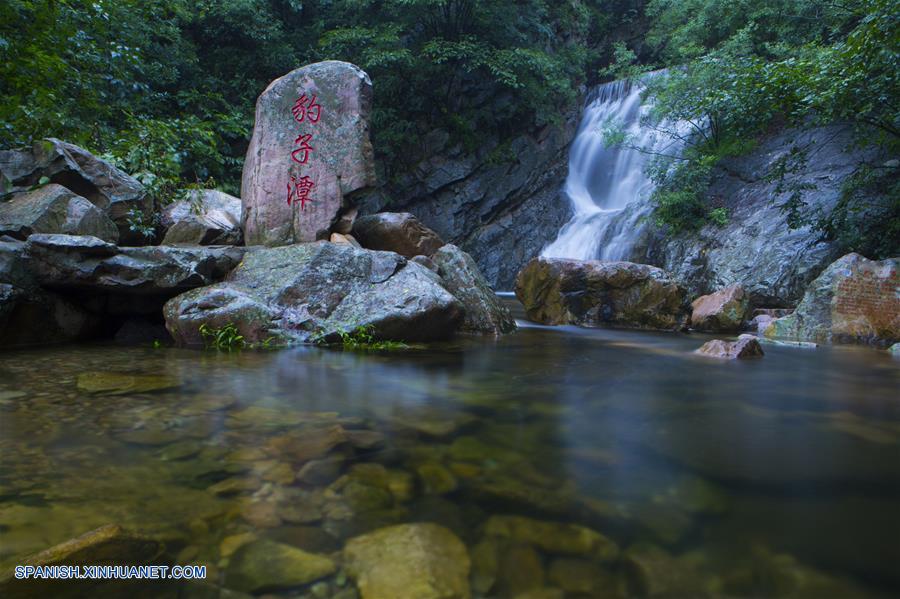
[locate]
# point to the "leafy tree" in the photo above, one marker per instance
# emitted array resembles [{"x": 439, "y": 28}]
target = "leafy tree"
[{"x": 739, "y": 68}]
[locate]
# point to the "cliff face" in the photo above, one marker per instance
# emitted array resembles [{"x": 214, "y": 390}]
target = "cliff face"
[
  {"x": 757, "y": 248},
  {"x": 501, "y": 203},
  {"x": 504, "y": 203}
]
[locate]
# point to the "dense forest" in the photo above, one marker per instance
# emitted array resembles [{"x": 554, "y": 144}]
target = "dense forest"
[{"x": 166, "y": 89}]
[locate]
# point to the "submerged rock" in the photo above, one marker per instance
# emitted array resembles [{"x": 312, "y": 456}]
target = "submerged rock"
[
  {"x": 746, "y": 346},
  {"x": 854, "y": 300},
  {"x": 303, "y": 293},
  {"x": 722, "y": 311},
  {"x": 553, "y": 537},
  {"x": 409, "y": 561},
  {"x": 768, "y": 574},
  {"x": 263, "y": 565},
  {"x": 582, "y": 576},
  {"x": 429, "y": 421},
  {"x": 485, "y": 313},
  {"x": 592, "y": 293},
  {"x": 436, "y": 480},
  {"x": 109, "y": 545},
  {"x": 305, "y": 445},
  {"x": 54, "y": 209},
  {"x": 314, "y": 123},
  {"x": 115, "y": 383},
  {"x": 206, "y": 217},
  {"x": 399, "y": 232},
  {"x": 520, "y": 570},
  {"x": 101, "y": 183},
  {"x": 653, "y": 572}
]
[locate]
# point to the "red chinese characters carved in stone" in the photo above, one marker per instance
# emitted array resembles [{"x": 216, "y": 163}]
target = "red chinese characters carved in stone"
[
  {"x": 305, "y": 108},
  {"x": 299, "y": 189},
  {"x": 304, "y": 149}
]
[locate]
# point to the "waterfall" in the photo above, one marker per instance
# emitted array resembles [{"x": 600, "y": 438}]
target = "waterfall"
[{"x": 606, "y": 186}]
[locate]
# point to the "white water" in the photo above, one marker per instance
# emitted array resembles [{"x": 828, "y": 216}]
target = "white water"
[{"x": 604, "y": 181}]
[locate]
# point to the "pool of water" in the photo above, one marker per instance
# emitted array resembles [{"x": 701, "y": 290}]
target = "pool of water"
[{"x": 773, "y": 477}]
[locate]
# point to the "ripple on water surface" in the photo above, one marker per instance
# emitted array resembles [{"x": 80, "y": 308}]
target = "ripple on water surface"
[{"x": 584, "y": 463}]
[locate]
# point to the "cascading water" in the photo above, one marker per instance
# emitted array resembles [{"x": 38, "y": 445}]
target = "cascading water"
[{"x": 606, "y": 185}]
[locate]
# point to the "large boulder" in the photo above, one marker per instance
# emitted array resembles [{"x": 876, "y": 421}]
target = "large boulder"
[
  {"x": 76, "y": 169},
  {"x": 722, "y": 311},
  {"x": 30, "y": 315},
  {"x": 409, "y": 561},
  {"x": 54, "y": 209},
  {"x": 312, "y": 127},
  {"x": 399, "y": 232},
  {"x": 88, "y": 263},
  {"x": 854, "y": 300},
  {"x": 205, "y": 217},
  {"x": 485, "y": 313},
  {"x": 38, "y": 317},
  {"x": 15, "y": 267},
  {"x": 304, "y": 292},
  {"x": 594, "y": 293}
]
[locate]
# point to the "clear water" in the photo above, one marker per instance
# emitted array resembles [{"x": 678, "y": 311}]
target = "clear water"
[{"x": 775, "y": 477}]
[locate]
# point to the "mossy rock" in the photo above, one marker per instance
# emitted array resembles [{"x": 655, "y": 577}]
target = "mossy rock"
[{"x": 115, "y": 383}]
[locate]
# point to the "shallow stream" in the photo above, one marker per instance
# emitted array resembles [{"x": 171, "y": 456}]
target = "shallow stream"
[{"x": 774, "y": 477}]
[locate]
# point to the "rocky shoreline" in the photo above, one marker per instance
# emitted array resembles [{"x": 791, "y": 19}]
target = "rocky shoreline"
[{"x": 78, "y": 261}]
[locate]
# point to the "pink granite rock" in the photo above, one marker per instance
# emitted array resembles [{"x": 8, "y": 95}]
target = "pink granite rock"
[{"x": 312, "y": 126}]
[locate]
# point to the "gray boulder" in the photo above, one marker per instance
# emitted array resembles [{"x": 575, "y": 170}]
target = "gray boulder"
[
  {"x": 312, "y": 128},
  {"x": 485, "y": 313},
  {"x": 14, "y": 264},
  {"x": 82, "y": 262},
  {"x": 301, "y": 293},
  {"x": 54, "y": 209},
  {"x": 76, "y": 169},
  {"x": 38, "y": 317},
  {"x": 30, "y": 315},
  {"x": 596, "y": 293},
  {"x": 854, "y": 300},
  {"x": 399, "y": 232},
  {"x": 206, "y": 217}
]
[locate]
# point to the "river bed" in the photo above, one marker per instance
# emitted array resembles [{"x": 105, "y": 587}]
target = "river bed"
[{"x": 772, "y": 477}]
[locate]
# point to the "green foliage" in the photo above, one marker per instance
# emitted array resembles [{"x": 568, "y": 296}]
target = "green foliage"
[
  {"x": 624, "y": 65},
  {"x": 468, "y": 67},
  {"x": 363, "y": 338},
  {"x": 867, "y": 216},
  {"x": 144, "y": 224},
  {"x": 226, "y": 338},
  {"x": 743, "y": 67},
  {"x": 167, "y": 88},
  {"x": 680, "y": 191}
]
